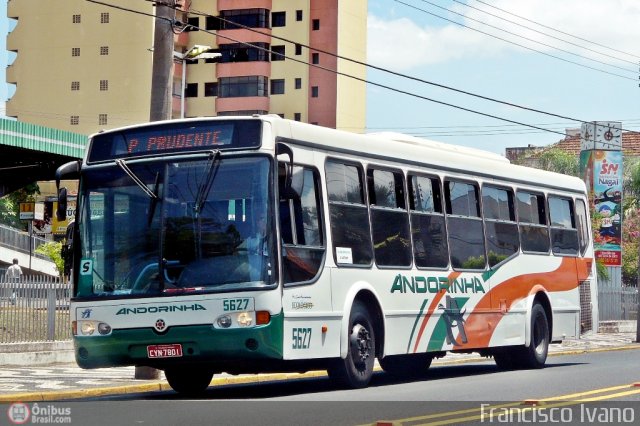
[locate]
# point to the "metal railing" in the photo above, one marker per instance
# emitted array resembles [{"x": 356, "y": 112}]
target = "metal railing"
[
  {"x": 19, "y": 241},
  {"x": 619, "y": 303},
  {"x": 34, "y": 309}
]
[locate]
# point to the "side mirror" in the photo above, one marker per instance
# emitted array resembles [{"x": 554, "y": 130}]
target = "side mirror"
[
  {"x": 70, "y": 170},
  {"x": 61, "y": 212}
]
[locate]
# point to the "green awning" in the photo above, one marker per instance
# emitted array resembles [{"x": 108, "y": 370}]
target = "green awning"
[{"x": 40, "y": 138}]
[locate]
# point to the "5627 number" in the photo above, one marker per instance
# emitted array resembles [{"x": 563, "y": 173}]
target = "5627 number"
[
  {"x": 301, "y": 338},
  {"x": 230, "y": 305}
]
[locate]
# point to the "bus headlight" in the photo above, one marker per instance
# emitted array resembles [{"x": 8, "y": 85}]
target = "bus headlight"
[
  {"x": 224, "y": 321},
  {"x": 88, "y": 328},
  {"x": 245, "y": 319}
]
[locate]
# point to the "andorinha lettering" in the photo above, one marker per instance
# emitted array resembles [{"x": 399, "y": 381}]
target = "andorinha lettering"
[
  {"x": 417, "y": 284},
  {"x": 151, "y": 142},
  {"x": 157, "y": 309}
]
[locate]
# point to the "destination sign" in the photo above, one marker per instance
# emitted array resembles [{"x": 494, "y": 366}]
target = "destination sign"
[{"x": 175, "y": 137}]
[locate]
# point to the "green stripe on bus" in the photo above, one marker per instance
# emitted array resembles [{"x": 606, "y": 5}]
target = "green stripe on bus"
[{"x": 415, "y": 324}]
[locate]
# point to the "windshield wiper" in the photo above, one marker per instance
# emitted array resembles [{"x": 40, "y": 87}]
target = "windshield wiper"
[
  {"x": 205, "y": 186},
  {"x": 120, "y": 162}
]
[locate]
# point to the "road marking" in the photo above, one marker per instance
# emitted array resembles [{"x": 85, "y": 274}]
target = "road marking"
[{"x": 531, "y": 404}]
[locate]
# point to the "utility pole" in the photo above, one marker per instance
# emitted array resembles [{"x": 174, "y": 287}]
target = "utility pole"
[
  {"x": 161, "y": 94},
  {"x": 162, "y": 77}
]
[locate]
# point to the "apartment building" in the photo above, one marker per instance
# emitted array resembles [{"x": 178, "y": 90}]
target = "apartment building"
[{"x": 83, "y": 66}]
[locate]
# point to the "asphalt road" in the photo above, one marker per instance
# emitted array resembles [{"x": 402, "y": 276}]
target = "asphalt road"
[{"x": 581, "y": 388}]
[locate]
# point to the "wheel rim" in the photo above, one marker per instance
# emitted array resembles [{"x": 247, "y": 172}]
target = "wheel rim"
[
  {"x": 360, "y": 344},
  {"x": 540, "y": 335}
]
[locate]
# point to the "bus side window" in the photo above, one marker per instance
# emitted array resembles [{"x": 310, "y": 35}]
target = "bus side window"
[
  {"x": 464, "y": 223},
  {"x": 389, "y": 218},
  {"x": 301, "y": 231},
  {"x": 583, "y": 227},
  {"x": 349, "y": 216},
  {"x": 430, "y": 248},
  {"x": 500, "y": 223},
  {"x": 564, "y": 235},
  {"x": 532, "y": 222}
]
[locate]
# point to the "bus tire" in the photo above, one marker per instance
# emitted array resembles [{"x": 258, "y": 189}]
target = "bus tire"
[
  {"x": 356, "y": 370},
  {"x": 188, "y": 380},
  {"x": 535, "y": 355},
  {"x": 406, "y": 366}
]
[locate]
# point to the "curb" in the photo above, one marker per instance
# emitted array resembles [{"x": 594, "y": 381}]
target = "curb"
[{"x": 158, "y": 386}]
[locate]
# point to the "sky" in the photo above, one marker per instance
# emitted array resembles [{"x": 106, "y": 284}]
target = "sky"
[{"x": 582, "y": 65}]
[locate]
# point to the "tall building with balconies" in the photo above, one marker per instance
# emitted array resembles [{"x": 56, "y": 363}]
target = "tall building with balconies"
[{"x": 83, "y": 66}]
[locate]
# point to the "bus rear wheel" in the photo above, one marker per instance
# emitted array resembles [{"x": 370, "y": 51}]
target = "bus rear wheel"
[
  {"x": 356, "y": 370},
  {"x": 405, "y": 366},
  {"x": 535, "y": 355},
  {"x": 188, "y": 380}
]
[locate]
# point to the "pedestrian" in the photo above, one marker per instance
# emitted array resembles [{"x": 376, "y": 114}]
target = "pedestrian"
[{"x": 14, "y": 274}]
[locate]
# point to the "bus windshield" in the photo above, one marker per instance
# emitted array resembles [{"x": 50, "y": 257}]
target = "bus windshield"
[{"x": 167, "y": 227}]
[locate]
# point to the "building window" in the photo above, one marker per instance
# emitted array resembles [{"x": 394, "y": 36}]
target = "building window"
[
  {"x": 211, "y": 89},
  {"x": 277, "y": 87},
  {"x": 278, "y": 19},
  {"x": 277, "y": 53},
  {"x": 212, "y": 23},
  {"x": 104, "y": 18},
  {"x": 238, "y": 52},
  {"x": 315, "y": 58},
  {"x": 314, "y": 92},
  {"x": 298, "y": 83},
  {"x": 191, "y": 91},
  {"x": 315, "y": 25},
  {"x": 75, "y": 51},
  {"x": 75, "y": 85},
  {"x": 102, "y": 119},
  {"x": 298, "y": 15},
  {"x": 104, "y": 50},
  {"x": 233, "y": 87},
  {"x": 193, "y": 24},
  {"x": 104, "y": 85},
  {"x": 298, "y": 49},
  {"x": 252, "y": 18},
  {"x": 75, "y": 120},
  {"x": 75, "y": 19},
  {"x": 297, "y": 116}
]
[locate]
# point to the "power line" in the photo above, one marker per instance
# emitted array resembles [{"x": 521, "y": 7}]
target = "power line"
[
  {"x": 379, "y": 84},
  {"x": 545, "y": 34},
  {"x": 559, "y": 31},
  {"x": 513, "y": 42},
  {"x": 395, "y": 73}
]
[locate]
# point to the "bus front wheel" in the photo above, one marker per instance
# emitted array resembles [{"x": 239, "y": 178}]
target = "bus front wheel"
[
  {"x": 356, "y": 370},
  {"x": 188, "y": 381}
]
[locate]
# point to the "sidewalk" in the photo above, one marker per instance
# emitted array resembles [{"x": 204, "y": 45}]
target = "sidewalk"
[{"x": 67, "y": 380}]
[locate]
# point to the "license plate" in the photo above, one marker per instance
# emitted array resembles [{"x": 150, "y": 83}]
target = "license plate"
[{"x": 164, "y": 351}]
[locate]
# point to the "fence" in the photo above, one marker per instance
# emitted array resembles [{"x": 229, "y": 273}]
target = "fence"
[
  {"x": 615, "y": 301},
  {"x": 18, "y": 240},
  {"x": 34, "y": 309}
]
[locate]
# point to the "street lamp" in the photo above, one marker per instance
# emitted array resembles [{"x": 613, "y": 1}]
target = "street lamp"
[{"x": 197, "y": 51}]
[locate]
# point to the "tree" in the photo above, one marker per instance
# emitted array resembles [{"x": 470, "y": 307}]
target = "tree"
[
  {"x": 559, "y": 161},
  {"x": 10, "y": 205},
  {"x": 53, "y": 250}
]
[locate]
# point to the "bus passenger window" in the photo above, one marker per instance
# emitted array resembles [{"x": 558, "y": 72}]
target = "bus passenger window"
[
  {"x": 349, "y": 216},
  {"x": 430, "y": 248},
  {"x": 564, "y": 235},
  {"x": 302, "y": 235},
  {"x": 389, "y": 218},
  {"x": 532, "y": 218},
  {"x": 583, "y": 227},
  {"x": 464, "y": 224},
  {"x": 499, "y": 221}
]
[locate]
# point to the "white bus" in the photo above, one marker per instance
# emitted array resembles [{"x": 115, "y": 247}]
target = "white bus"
[{"x": 257, "y": 244}]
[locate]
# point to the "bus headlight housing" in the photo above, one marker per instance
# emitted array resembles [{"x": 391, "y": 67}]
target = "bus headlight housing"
[{"x": 89, "y": 328}]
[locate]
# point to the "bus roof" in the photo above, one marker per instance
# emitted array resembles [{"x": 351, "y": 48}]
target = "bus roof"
[{"x": 419, "y": 152}]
